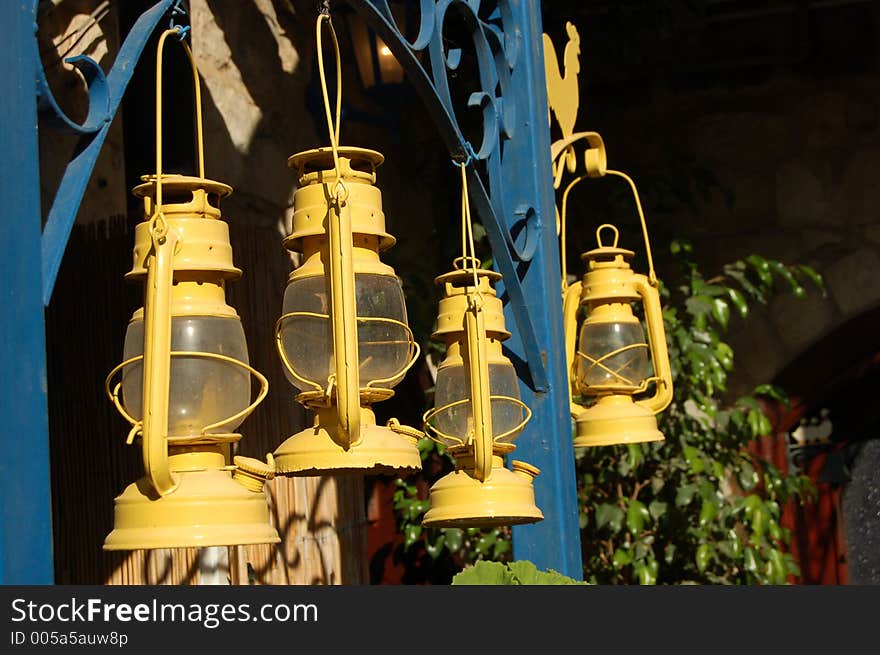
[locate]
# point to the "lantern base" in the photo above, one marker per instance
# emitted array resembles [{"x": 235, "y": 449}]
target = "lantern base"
[
  {"x": 207, "y": 508},
  {"x": 458, "y": 500},
  {"x": 615, "y": 419},
  {"x": 380, "y": 450}
]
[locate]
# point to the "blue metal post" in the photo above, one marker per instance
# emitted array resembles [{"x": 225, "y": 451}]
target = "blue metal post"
[
  {"x": 553, "y": 543},
  {"x": 25, "y": 498},
  {"x": 517, "y": 210}
]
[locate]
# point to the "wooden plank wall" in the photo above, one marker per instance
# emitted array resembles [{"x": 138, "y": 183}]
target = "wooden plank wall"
[{"x": 321, "y": 520}]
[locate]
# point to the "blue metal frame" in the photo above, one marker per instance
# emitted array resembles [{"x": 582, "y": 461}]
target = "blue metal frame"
[
  {"x": 31, "y": 259},
  {"x": 516, "y": 206},
  {"x": 105, "y": 95},
  {"x": 514, "y": 202},
  {"x": 25, "y": 506}
]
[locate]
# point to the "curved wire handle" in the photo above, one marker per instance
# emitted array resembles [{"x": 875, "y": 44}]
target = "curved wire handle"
[
  {"x": 432, "y": 430},
  {"x": 413, "y": 347},
  {"x": 180, "y": 32},
  {"x": 652, "y": 276},
  {"x": 562, "y": 233},
  {"x": 467, "y": 232},
  {"x": 279, "y": 346},
  {"x": 137, "y": 425},
  {"x": 332, "y": 125}
]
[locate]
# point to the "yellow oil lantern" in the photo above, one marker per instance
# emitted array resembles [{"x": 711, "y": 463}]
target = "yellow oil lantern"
[
  {"x": 185, "y": 380},
  {"x": 609, "y": 360},
  {"x": 343, "y": 335},
  {"x": 477, "y": 411}
]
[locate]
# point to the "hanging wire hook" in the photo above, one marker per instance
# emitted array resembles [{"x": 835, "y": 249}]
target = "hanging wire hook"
[
  {"x": 341, "y": 192},
  {"x": 469, "y": 151},
  {"x": 176, "y": 10},
  {"x": 467, "y": 237}
]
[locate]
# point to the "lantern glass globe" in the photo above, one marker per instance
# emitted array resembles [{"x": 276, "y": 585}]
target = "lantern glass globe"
[
  {"x": 621, "y": 353},
  {"x": 203, "y": 390},
  {"x": 384, "y": 346},
  {"x": 453, "y": 384}
]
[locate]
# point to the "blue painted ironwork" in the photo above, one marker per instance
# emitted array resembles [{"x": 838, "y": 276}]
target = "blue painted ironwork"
[
  {"x": 25, "y": 505},
  {"x": 515, "y": 204},
  {"x": 105, "y": 95},
  {"x": 516, "y": 199},
  {"x": 31, "y": 259}
]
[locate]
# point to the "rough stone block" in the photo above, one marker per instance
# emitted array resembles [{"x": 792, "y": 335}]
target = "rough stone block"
[
  {"x": 801, "y": 197},
  {"x": 854, "y": 281},
  {"x": 801, "y": 321}
]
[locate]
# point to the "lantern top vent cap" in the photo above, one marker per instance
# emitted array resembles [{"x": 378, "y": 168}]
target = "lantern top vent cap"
[
  {"x": 604, "y": 253},
  {"x": 176, "y": 182},
  {"x": 463, "y": 276},
  {"x": 317, "y": 164}
]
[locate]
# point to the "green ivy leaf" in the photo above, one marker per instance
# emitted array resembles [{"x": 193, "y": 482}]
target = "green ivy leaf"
[
  {"x": 750, "y": 560},
  {"x": 747, "y": 476},
  {"x": 778, "y": 571},
  {"x": 758, "y": 522},
  {"x": 434, "y": 548},
  {"x": 610, "y": 515},
  {"x": 739, "y": 301},
  {"x": 636, "y": 516},
  {"x": 721, "y": 312},
  {"x": 698, "y": 306},
  {"x": 486, "y": 543},
  {"x": 684, "y": 494},
  {"x": 621, "y": 558},
  {"x": 485, "y": 573},
  {"x": 708, "y": 511},
  {"x": 694, "y": 458},
  {"x": 657, "y": 508},
  {"x": 647, "y": 572},
  {"x": 783, "y": 271},
  {"x": 746, "y": 284},
  {"x": 724, "y": 353},
  {"x": 634, "y": 451},
  {"x": 762, "y": 268},
  {"x": 454, "y": 539},
  {"x": 411, "y": 534},
  {"x": 704, "y": 556},
  {"x": 816, "y": 278}
]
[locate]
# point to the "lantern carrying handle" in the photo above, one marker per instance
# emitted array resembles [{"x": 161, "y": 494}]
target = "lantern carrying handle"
[
  {"x": 652, "y": 276},
  {"x": 342, "y": 285},
  {"x": 481, "y": 404},
  {"x": 157, "y": 362},
  {"x": 570, "y": 306},
  {"x": 562, "y": 227},
  {"x": 340, "y": 192},
  {"x": 180, "y": 32},
  {"x": 657, "y": 340}
]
